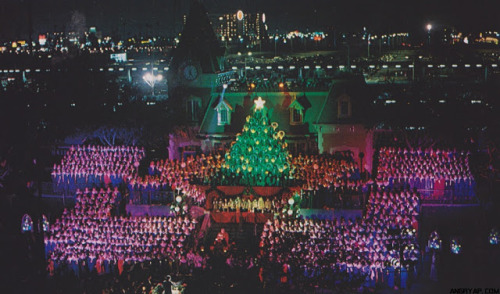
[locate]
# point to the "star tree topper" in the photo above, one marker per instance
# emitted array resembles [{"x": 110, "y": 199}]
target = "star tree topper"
[{"x": 259, "y": 103}]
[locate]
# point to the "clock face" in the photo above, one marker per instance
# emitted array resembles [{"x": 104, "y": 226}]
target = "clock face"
[{"x": 190, "y": 72}]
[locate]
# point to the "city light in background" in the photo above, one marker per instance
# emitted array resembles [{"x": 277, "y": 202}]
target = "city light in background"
[{"x": 207, "y": 140}]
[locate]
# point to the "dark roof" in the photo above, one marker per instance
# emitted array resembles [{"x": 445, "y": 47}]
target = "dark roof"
[
  {"x": 304, "y": 101},
  {"x": 355, "y": 88},
  {"x": 319, "y": 108}
]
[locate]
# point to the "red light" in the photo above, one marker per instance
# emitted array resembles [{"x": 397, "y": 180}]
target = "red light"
[{"x": 282, "y": 85}]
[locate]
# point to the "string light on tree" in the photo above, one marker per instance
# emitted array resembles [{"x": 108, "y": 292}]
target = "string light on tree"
[{"x": 259, "y": 155}]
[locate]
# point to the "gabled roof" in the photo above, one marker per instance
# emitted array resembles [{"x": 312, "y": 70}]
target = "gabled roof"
[
  {"x": 319, "y": 108},
  {"x": 301, "y": 103},
  {"x": 224, "y": 102},
  {"x": 277, "y": 104},
  {"x": 355, "y": 88}
]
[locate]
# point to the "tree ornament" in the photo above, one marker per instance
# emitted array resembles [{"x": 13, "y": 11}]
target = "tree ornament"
[{"x": 258, "y": 153}]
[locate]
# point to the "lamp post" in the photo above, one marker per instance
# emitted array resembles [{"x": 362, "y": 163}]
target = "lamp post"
[
  {"x": 151, "y": 79},
  {"x": 368, "y": 43},
  {"x": 428, "y": 27},
  {"x": 413, "y": 71},
  {"x": 348, "y": 55},
  {"x": 396, "y": 236},
  {"x": 275, "y": 41},
  {"x": 246, "y": 58}
]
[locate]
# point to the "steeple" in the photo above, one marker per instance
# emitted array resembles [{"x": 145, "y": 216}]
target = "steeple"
[{"x": 198, "y": 43}]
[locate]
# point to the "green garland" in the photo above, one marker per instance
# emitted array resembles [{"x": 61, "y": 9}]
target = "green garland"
[{"x": 259, "y": 155}]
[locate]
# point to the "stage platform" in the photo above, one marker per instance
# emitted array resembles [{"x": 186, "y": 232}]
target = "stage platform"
[
  {"x": 245, "y": 217},
  {"x": 150, "y": 210},
  {"x": 249, "y": 217},
  {"x": 329, "y": 214}
]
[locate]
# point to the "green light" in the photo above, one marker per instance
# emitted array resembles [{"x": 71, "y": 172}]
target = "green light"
[{"x": 259, "y": 155}]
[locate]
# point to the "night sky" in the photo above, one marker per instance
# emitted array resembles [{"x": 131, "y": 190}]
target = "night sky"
[{"x": 160, "y": 16}]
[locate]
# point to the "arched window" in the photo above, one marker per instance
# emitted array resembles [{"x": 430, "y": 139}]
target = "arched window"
[{"x": 344, "y": 106}]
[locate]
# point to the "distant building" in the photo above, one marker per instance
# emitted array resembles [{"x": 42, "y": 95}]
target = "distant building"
[{"x": 240, "y": 27}]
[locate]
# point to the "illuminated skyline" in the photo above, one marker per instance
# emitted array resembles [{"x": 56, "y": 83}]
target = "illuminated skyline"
[{"x": 165, "y": 16}]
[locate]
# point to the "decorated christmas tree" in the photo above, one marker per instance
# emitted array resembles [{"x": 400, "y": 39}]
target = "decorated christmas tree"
[{"x": 259, "y": 156}]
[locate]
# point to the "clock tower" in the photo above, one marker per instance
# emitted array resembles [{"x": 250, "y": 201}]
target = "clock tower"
[
  {"x": 196, "y": 63},
  {"x": 190, "y": 72},
  {"x": 193, "y": 74},
  {"x": 198, "y": 58}
]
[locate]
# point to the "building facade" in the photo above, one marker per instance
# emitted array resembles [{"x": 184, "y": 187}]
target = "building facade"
[
  {"x": 240, "y": 27},
  {"x": 314, "y": 121}
]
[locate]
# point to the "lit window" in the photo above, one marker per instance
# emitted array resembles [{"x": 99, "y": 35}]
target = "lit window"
[
  {"x": 222, "y": 117},
  {"x": 223, "y": 113}
]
